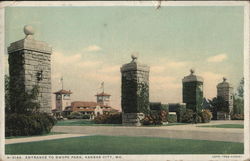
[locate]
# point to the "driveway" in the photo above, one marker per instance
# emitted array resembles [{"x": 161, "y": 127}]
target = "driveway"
[{"x": 189, "y": 131}]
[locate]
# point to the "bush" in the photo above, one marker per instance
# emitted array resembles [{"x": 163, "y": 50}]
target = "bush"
[
  {"x": 75, "y": 115},
  {"x": 188, "y": 116},
  {"x": 155, "y": 118},
  {"x": 109, "y": 119},
  {"x": 206, "y": 116},
  {"x": 86, "y": 117},
  {"x": 172, "y": 118},
  {"x": 28, "y": 124},
  {"x": 237, "y": 117}
]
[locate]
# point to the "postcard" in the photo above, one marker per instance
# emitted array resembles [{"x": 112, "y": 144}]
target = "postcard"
[{"x": 123, "y": 81}]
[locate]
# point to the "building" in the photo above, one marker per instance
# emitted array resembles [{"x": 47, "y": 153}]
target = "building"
[
  {"x": 29, "y": 67},
  {"x": 62, "y": 99},
  {"x": 103, "y": 98},
  {"x": 192, "y": 91},
  {"x": 225, "y": 91},
  {"x": 66, "y": 107},
  {"x": 91, "y": 108}
]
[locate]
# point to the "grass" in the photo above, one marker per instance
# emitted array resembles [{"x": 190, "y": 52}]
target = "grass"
[
  {"x": 51, "y": 133},
  {"x": 173, "y": 124},
  {"x": 82, "y": 123},
  {"x": 225, "y": 126},
  {"x": 124, "y": 145},
  {"x": 91, "y": 123}
]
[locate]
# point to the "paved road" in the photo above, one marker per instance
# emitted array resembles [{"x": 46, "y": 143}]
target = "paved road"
[
  {"x": 190, "y": 131},
  {"x": 41, "y": 138}
]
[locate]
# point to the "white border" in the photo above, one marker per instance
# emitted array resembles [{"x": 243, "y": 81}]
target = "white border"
[
  {"x": 2, "y": 104},
  {"x": 136, "y": 3}
]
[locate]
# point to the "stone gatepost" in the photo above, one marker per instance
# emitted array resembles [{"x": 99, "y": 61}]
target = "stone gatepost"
[
  {"x": 135, "y": 92},
  {"x": 192, "y": 91},
  {"x": 29, "y": 65},
  {"x": 225, "y": 90}
]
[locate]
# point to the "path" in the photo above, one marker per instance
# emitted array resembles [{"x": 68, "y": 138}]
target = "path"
[
  {"x": 41, "y": 138},
  {"x": 190, "y": 131}
]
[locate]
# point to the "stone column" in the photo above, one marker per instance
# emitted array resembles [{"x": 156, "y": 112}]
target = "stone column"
[
  {"x": 135, "y": 92},
  {"x": 226, "y": 92},
  {"x": 29, "y": 65},
  {"x": 192, "y": 91}
]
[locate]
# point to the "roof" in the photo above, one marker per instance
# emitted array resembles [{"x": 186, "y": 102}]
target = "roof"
[
  {"x": 102, "y": 94},
  {"x": 62, "y": 91},
  {"x": 83, "y": 104},
  {"x": 110, "y": 110},
  {"x": 68, "y": 108}
]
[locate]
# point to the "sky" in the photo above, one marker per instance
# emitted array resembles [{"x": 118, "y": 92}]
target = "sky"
[{"x": 90, "y": 44}]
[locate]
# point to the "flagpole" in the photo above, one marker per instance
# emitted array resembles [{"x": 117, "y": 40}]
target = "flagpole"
[
  {"x": 62, "y": 82},
  {"x": 103, "y": 88}
]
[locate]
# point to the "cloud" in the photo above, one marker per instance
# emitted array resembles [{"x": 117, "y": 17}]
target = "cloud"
[
  {"x": 89, "y": 63},
  {"x": 101, "y": 77},
  {"x": 60, "y": 58},
  {"x": 93, "y": 48},
  {"x": 157, "y": 69},
  {"x": 217, "y": 58},
  {"x": 167, "y": 65},
  {"x": 164, "y": 82},
  {"x": 111, "y": 69},
  {"x": 176, "y": 64}
]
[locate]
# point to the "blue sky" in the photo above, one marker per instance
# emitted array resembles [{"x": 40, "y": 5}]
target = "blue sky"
[{"x": 90, "y": 44}]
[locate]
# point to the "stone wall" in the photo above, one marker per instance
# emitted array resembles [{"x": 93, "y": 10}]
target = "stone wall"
[
  {"x": 227, "y": 94},
  {"x": 17, "y": 80},
  {"x": 30, "y": 65},
  {"x": 192, "y": 94},
  {"x": 24, "y": 67},
  {"x": 135, "y": 92},
  {"x": 36, "y": 62}
]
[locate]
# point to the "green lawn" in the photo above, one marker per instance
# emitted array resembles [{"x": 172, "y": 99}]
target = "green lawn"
[
  {"x": 51, "y": 133},
  {"x": 125, "y": 145},
  {"x": 225, "y": 126},
  {"x": 82, "y": 123},
  {"x": 91, "y": 123}
]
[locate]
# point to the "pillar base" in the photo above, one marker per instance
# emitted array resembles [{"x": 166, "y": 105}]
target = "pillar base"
[{"x": 132, "y": 119}]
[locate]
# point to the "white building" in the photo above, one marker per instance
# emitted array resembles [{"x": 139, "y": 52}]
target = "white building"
[{"x": 62, "y": 99}]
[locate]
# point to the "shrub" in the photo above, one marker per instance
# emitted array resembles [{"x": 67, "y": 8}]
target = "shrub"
[
  {"x": 115, "y": 118},
  {"x": 75, "y": 115},
  {"x": 172, "y": 118},
  {"x": 180, "y": 112},
  {"x": 86, "y": 117},
  {"x": 188, "y": 116},
  {"x": 28, "y": 124},
  {"x": 155, "y": 118},
  {"x": 206, "y": 116},
  {"x": 237, "y": 117}
]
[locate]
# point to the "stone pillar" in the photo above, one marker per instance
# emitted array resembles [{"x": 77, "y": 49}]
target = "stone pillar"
[
  {"x": 192, "y": 91},
  {"x": 225, "y": 91},
  {"x": 135, "y": 92},
  {"x": 29, "y": 65}
]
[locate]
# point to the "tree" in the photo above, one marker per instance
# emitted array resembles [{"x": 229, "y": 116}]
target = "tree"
[
  {"x": 7, "y": 95},
  {"x": 240, "y": 89},
  {"x": 238, "y": 105},
  {"x": 22, "y": 114},
  {"x": 25, "y": 102}
]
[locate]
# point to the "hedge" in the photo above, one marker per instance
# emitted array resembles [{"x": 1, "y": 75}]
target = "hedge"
[
  {"x": 109, "y": 119},
  {"x": 28, "y": 124}
]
